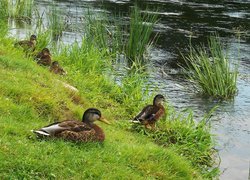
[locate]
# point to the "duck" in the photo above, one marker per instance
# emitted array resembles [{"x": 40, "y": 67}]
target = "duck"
[
  {"x": 27, "y": 45},
  {"x": 44, "y": 60},
  {"x": 44, "y": 52},
  {"x": 77, "y": 131},
  {"x": 44, "y": 57},
  {"x": 151, "y": 113},
  {"x": 55, "y": 68}
]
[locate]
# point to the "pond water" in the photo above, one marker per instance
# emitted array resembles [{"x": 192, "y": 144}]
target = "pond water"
[{"x": 179, "y": 20}]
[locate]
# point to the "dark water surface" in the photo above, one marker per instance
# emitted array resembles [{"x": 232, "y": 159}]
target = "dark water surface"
[{"x": 181, "y": 19}]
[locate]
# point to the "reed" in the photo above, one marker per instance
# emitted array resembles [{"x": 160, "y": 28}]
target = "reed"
[
  {"x": 4, "y": 4},
  {"x": 211, "y": 71},
  {"x": 56, "y": 22},
  {"x": 3, "y": 18},
  {"x": 100, "y": 31},
  {"x": 19, "y": 9},
  {"x": 140, "y": 34}
]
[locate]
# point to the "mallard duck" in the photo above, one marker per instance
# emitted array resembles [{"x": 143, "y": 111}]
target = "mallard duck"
[
  {"x": 44, "y": 57},
  {"x": 55, "y": 68},
  {"x": 28, "y": 45},
  {"x": 44, "y": 52},
  {"x": 151, "y": 113},
  {"x": 45, "y": 60},
  {"x": 78, "y": 131}
]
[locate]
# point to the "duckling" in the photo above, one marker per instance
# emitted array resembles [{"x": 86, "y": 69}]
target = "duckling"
[
  {"x": 151, "y": 113},
  {"x": 55, "y": 68},
  {"x": 27, "y": 45},
  {"x": 77, "y": 131}
]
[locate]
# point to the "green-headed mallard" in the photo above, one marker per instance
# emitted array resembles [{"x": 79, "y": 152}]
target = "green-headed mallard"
[
  {"x": 78, "y": 131},
  {"x": 28, "y": 45},
  {"x": 56, "y": 68},
  {"x": 151, "y": 113}
]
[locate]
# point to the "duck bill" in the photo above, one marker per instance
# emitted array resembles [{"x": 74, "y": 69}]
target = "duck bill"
[{"x": 104, "y": 120}]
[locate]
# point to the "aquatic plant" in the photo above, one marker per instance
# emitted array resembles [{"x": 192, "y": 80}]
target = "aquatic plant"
[
  {"x": 19, "y": 9},
  {"x": 56, "y": 22},
  {"x": 140, "y": 33},
  {"x": 211, "y": 71},
  {"x": 4, "y": 9},
  {"x": 102, "y": 33}
]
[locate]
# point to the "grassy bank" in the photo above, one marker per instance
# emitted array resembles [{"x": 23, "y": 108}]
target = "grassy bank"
[{"x": 32, "y": 97}]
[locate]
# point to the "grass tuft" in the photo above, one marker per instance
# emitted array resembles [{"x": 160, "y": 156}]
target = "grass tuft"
[
  {"x": 140, "y": 34},
  {"x": 211, "y": 70}
]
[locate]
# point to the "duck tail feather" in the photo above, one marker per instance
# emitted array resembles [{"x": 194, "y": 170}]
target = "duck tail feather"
[
  {"x": 135, "y": 121},
  {"x": 41, "y": 133}
]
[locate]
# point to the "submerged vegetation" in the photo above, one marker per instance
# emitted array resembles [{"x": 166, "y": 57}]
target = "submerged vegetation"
[
  {"x": 32, "y": 97},
  {"x": 211, "y": 71}
]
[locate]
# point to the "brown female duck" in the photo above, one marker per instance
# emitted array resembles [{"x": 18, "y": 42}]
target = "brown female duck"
[
  {"x": 78, "y": 131},
  {"x": 151, "y": 113},
  {"x": 56, "y": 68},
  {"x": 44, "y": 57},
  {"x": 44, "y": 52},
  {"x": 28, "y": 45}
]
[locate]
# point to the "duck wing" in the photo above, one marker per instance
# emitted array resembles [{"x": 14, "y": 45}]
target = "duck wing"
[
  {"x": 146, "y": 113},
  {"x": 150, "y": 114},
  {"x": 45, "y": 60},
  {"x": 58, "y": 127},
  {"x": 80, "y": 136}
]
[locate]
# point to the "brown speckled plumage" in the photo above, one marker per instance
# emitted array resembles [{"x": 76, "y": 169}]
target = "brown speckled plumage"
[
  {"x": 44, "y": 57},
  {"x": 45, "y": 60},
  {"x": 77, "y": 131},
  {"x": 151, "y": 113},
  {"x": 95, "y": 133},
  {"x": 56, "y": 68},
  {"x": 28, "y": 45}
]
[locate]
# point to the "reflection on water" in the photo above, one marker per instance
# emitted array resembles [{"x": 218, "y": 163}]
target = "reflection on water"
[{"x": 181, "y": 19}]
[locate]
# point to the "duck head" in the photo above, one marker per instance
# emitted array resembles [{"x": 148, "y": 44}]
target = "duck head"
[
  {"x": 45, "y": 52},
  {"x": 33, "y": 37},
  {"x": 91, "y": 115},
  {"x": 55, "y": 64},
  {"x": 159, "y": 100}
]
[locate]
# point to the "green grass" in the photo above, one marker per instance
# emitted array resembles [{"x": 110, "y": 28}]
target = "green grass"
[
  {"x": 211, "y": 70},
  {"x": 112, "y": 36},
  {"x": 180, "y": 132},
  {"x": 32, "y": 97},
  {"x": 19, "y": 9},
  {"x": 140, "y": 34},
  {"x": 56, "y": 22}
]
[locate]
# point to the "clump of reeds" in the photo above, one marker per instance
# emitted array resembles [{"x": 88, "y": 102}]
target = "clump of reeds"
[
  {"x": 56, "y": 22},
  {"x": 19, "y": 9},
  {"x": 140, "y": 33},
  {"x": 101, "y": 32},
  {"x": 211, "y": 71}
]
